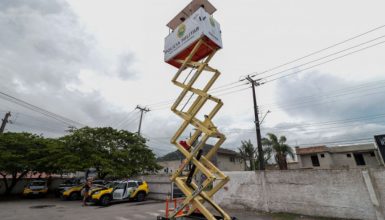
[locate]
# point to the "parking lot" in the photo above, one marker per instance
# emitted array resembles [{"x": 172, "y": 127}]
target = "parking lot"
[{"x": 55, "y": 209}]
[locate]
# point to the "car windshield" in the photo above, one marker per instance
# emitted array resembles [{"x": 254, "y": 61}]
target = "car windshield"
[
  {"x": 37, "y": 184},
  {"x": 121, "y": 186},
  {"x": 111, "y": 185},
  {"x": 132, "y": 184}
]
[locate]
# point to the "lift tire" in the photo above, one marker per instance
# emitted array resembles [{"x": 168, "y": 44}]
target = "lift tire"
[{"x": 105, "y": 200}]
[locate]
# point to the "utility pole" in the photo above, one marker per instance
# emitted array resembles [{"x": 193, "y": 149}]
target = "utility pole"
[
  {"x": 4, "y": 122},
  {"x": 141, "y": 116},
  {"x": 254, "y": 83}
]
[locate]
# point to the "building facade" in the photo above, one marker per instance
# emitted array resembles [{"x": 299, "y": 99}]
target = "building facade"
[
  {"x": 349, "y": 156},
  {"x": 225, "y": 160}
]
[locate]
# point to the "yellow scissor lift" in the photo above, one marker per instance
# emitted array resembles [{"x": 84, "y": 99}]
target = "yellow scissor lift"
[{"x": 194, "y": 40}]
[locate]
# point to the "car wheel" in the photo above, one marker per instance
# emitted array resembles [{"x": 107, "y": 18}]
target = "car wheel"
[
  {"x": 105, "y": 200},
  {"x": 141, "y": 196},
  {"x": 74, "y": 196}
]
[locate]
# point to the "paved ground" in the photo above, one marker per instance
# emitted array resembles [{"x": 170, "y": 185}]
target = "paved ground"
[{"x": 55, "y": 209}]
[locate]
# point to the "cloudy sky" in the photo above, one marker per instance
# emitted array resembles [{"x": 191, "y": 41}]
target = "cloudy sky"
[{"x": 94, "y": 61}]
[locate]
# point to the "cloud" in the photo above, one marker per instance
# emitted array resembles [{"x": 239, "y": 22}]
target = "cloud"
[
  {"x": 320, "y": 96},
  {"x": 44, "y": 50},
  {"x": 327, "y": 108},
  {"x": 318, "y": 108},
  {"x": 124, "y": 66}
]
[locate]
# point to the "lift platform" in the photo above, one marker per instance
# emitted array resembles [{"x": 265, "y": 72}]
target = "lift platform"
[
  {"x": 194, "y": 39},
  {"x": 192, "y": 24}
]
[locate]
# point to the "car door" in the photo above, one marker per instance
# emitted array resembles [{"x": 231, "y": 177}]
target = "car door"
[
  {"x": 120, "y": 191},
  {"x": 131, "y": 187}
]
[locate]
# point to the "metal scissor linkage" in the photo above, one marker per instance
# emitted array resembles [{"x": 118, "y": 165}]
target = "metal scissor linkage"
[{"x": 198, "y": 194}]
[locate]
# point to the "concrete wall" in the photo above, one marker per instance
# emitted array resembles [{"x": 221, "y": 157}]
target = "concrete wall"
[
  {"x": 341, "y": 160},
  {"x": 160, "y": 185},
  {"x": 327, "y": 193},
  {"x": 326, "y": 162},
  {"x": 338, "y": 161},
  {"x": 223, "y": 161},
  {"x": 172, "y": 166},
  {"x": 371, "y": 161}
]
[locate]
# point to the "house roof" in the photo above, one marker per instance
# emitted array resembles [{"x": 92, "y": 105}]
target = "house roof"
[
  {"x": 336, "y": 149},
  {"x": 227, "y": 151},
  {"x": 177, "y": 155},
  {"x": 353, "y": 148},
  {"x": 311, "y": 150}
]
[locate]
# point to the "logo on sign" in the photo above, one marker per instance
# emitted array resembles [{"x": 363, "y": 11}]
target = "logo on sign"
[{"x": 181, "y": 30}]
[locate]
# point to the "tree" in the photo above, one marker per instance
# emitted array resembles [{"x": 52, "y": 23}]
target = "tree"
[
  {"x": 267, "y": 152},
  {"x": 247, "y": 152},
  {"x": 111, "y": 152},
  {"x": 280, "y": 149},
  {"x": 21, "y": 153}
]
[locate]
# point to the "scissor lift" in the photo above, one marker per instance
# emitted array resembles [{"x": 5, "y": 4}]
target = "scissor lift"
[{"x": 194, "y": 40}]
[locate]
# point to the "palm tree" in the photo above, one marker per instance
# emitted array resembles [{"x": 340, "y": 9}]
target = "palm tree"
[
  {"x": 267, "y": 152},
  {"x": 247, "y": 152},
  {"x": 280, "y": 149}
]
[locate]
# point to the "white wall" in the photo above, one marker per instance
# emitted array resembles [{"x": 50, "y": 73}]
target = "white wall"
[
  {"x": 225, "y": 164},
  {"x": 327, "y": 193},
  {"x": 160, "y": 185}
]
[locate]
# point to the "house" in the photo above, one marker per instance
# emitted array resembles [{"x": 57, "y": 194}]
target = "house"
[
  {"x": 348, "y": 156},
  {"x": 225, "y": 160}
]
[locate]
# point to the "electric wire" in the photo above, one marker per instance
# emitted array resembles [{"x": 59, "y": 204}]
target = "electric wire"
[
  {"x": 322, "y": 63},
  {"x": 127, "y": 117},
  {"x": 304, "y": 64},
  {"x": 329, "y": 55},
  {"x": 37, "y": 109},
  {"x": 361, "y": 86},
  {"x": 319, "y": 51}
]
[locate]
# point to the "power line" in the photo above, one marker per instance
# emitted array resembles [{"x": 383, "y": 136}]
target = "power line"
[
  {"x": 329, "y": 55},
  {"x": 303, "y": 57},
  {"x": 127, "y": 117},
  {"x": 169, "y": 102},
  {"x": 313, "y": 98},
  {"x": 324, "y": 123},
  {"x": 311, "y": 54},
  {"x": 321, "y": 102},
  {"x": 218, "y": 95},
  {"x": 322, "y": 63},
  {"x": 133, "y": 120},
  {"x": 37, "y": 109},
  {"x": 319, "y": 51},
  {"x": 344, "y": 90},
  {"x": 35, "y": 122}
]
